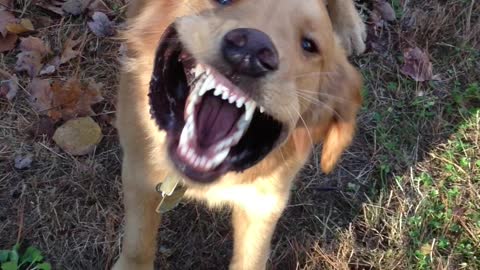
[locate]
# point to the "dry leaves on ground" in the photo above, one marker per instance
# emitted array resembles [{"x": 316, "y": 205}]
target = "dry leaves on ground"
[
  {"x": 417, "y": 65},
  {"x": 70, "y": 49},
  {"x": 64, "y": 100}
]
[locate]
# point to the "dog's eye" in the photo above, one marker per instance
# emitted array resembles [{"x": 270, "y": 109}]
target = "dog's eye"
[
  {"x": 224, "y": 2},
  {"x": 309, "y": 45}
]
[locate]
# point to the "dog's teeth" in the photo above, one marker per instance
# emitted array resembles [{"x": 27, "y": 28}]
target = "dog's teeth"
[
  {"x": 183, "y": 150},
  {"x": 220, "y": 157},
  {"x": 240, "y": 102},
  {"x": 262, "y": 109},
  {"x": 198, "y": 70},
  {"x": 203, "y": 162},
  {"x": 208, "y": 71},
  {"x": 225, "y": 93},
  {"x": 209, "y": 165},
  {"x": 207, "y": 85},
  {"x": 232, "y": 99},
  {"x": 197, "y": 162},
  {"x": 218, "y": 90},
  {"x": 249, "y": 110},
  {"x": 189, "y": 154}
]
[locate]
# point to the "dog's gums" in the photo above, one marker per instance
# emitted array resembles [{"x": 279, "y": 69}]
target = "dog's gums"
[{"x": 212, "y": 125}]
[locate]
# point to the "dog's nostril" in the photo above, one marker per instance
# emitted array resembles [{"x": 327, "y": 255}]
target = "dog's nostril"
[
  {"x": 250, "y": 52},
  {"x": 268, "y": 59},
  {"x": 236, "y": 38}
]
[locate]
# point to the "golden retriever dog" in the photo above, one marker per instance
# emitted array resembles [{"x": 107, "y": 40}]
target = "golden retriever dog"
[{"x": 228, "y": 97}]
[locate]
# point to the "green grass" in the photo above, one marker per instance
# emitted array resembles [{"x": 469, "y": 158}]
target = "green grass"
[{"x": 28, "y": 259}]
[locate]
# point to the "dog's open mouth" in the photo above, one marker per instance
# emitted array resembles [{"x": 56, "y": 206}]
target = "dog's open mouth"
[{"x": 212, "y": 125}]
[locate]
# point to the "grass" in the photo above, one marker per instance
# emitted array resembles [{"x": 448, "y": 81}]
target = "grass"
[{"x": 405, "y": 196}]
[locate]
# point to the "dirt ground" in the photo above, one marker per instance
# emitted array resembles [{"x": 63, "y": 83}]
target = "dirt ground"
[{"x": 405, "y": 195}]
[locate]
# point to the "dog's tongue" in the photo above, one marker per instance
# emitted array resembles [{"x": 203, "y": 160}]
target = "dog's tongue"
[{"x": 215, "y": 119}]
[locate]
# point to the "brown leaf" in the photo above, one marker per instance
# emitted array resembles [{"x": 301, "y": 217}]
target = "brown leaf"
[
  {"x": 34, "y": 44},
  {"x": 78, "y": 136},
  {"x": 21, "y": 26},
  {"x": 101, "y": 25},
  {"x": 6, "y": 4},
  {"x": 54, "y": 6},
  {"x": 75, "y": 7},
  {"x": 7, "y": 43},
  {"x": 40, "y": 95},
  {"x": 69, "y": 52},
  {"x": 417, "y": 65},
  {"x": 5, "y": 19},
  {"x": 77, "y": 99},
  {"x": 29, "y": 61},
  {"x": 385, "y": 10}
]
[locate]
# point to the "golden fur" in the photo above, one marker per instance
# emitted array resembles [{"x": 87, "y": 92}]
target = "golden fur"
[{"x": 259, "y": 195}]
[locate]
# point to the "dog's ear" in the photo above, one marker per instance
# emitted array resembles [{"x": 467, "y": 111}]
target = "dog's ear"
[{"x": 345, "y": 85}]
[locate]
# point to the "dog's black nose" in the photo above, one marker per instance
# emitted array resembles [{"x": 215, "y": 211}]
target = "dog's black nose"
[{"x": 250, "y": 52}]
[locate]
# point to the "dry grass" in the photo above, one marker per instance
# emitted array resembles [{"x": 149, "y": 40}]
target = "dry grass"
[{"x": 406, "y": 195}]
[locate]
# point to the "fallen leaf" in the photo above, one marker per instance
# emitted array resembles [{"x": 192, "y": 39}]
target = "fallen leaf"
[
  {"x": 6, "y": 4},
  {"x": 54, "y": 6},
  {"x": 5, "y": 19},
  {"x": 101, "y": 25},
  {"x": 417, "y": 65},
  {"x": 29, "y": 61},
  {"x": 40, "y": 95},
  {"x": 23, "y": 161},
  {"x": 34, "y": 44},
  {"x": 385, "y": 10},
  {"x": 8, "y": 86},
  {"x": 7, "y": 43},
  {"x": 21, "y": 26},
  {"x": 64, "y": 100},
  {"x": 75, "y": 7},
  {"x": 75, "y": 99},
  {"x": 78, "y": 136},
  {"x": 69, "y": 52}
]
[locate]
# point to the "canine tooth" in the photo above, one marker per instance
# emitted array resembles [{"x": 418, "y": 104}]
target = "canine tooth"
[
  {"x": 183, "y": 138},
  {"x": 198, "y": 70},
  {"x": 262, "y": 109},
  {"x": 240, "y": 102},
  {"x": 208, "y": 71},
  {"x": 249, "y": 110},
  {"x": 220, "y": 157},
  {"x": 207, "y": 85},
  {"x": 232, "y": 99},
  {"x": 183, "y": 150}
]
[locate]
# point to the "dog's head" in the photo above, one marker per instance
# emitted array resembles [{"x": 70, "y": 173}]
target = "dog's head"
[{"x": 234, "y": 80}]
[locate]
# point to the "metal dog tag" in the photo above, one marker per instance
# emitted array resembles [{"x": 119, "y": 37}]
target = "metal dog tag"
[{"x": 171, "y": 195}]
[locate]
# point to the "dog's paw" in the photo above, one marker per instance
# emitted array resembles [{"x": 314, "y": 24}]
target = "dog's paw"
[{"x": 352, "y": 35}]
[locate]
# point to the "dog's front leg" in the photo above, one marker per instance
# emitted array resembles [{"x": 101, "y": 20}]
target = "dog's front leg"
[
  {"x": 253, "y": 230},
  {"x": 141, "y": 221}
]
